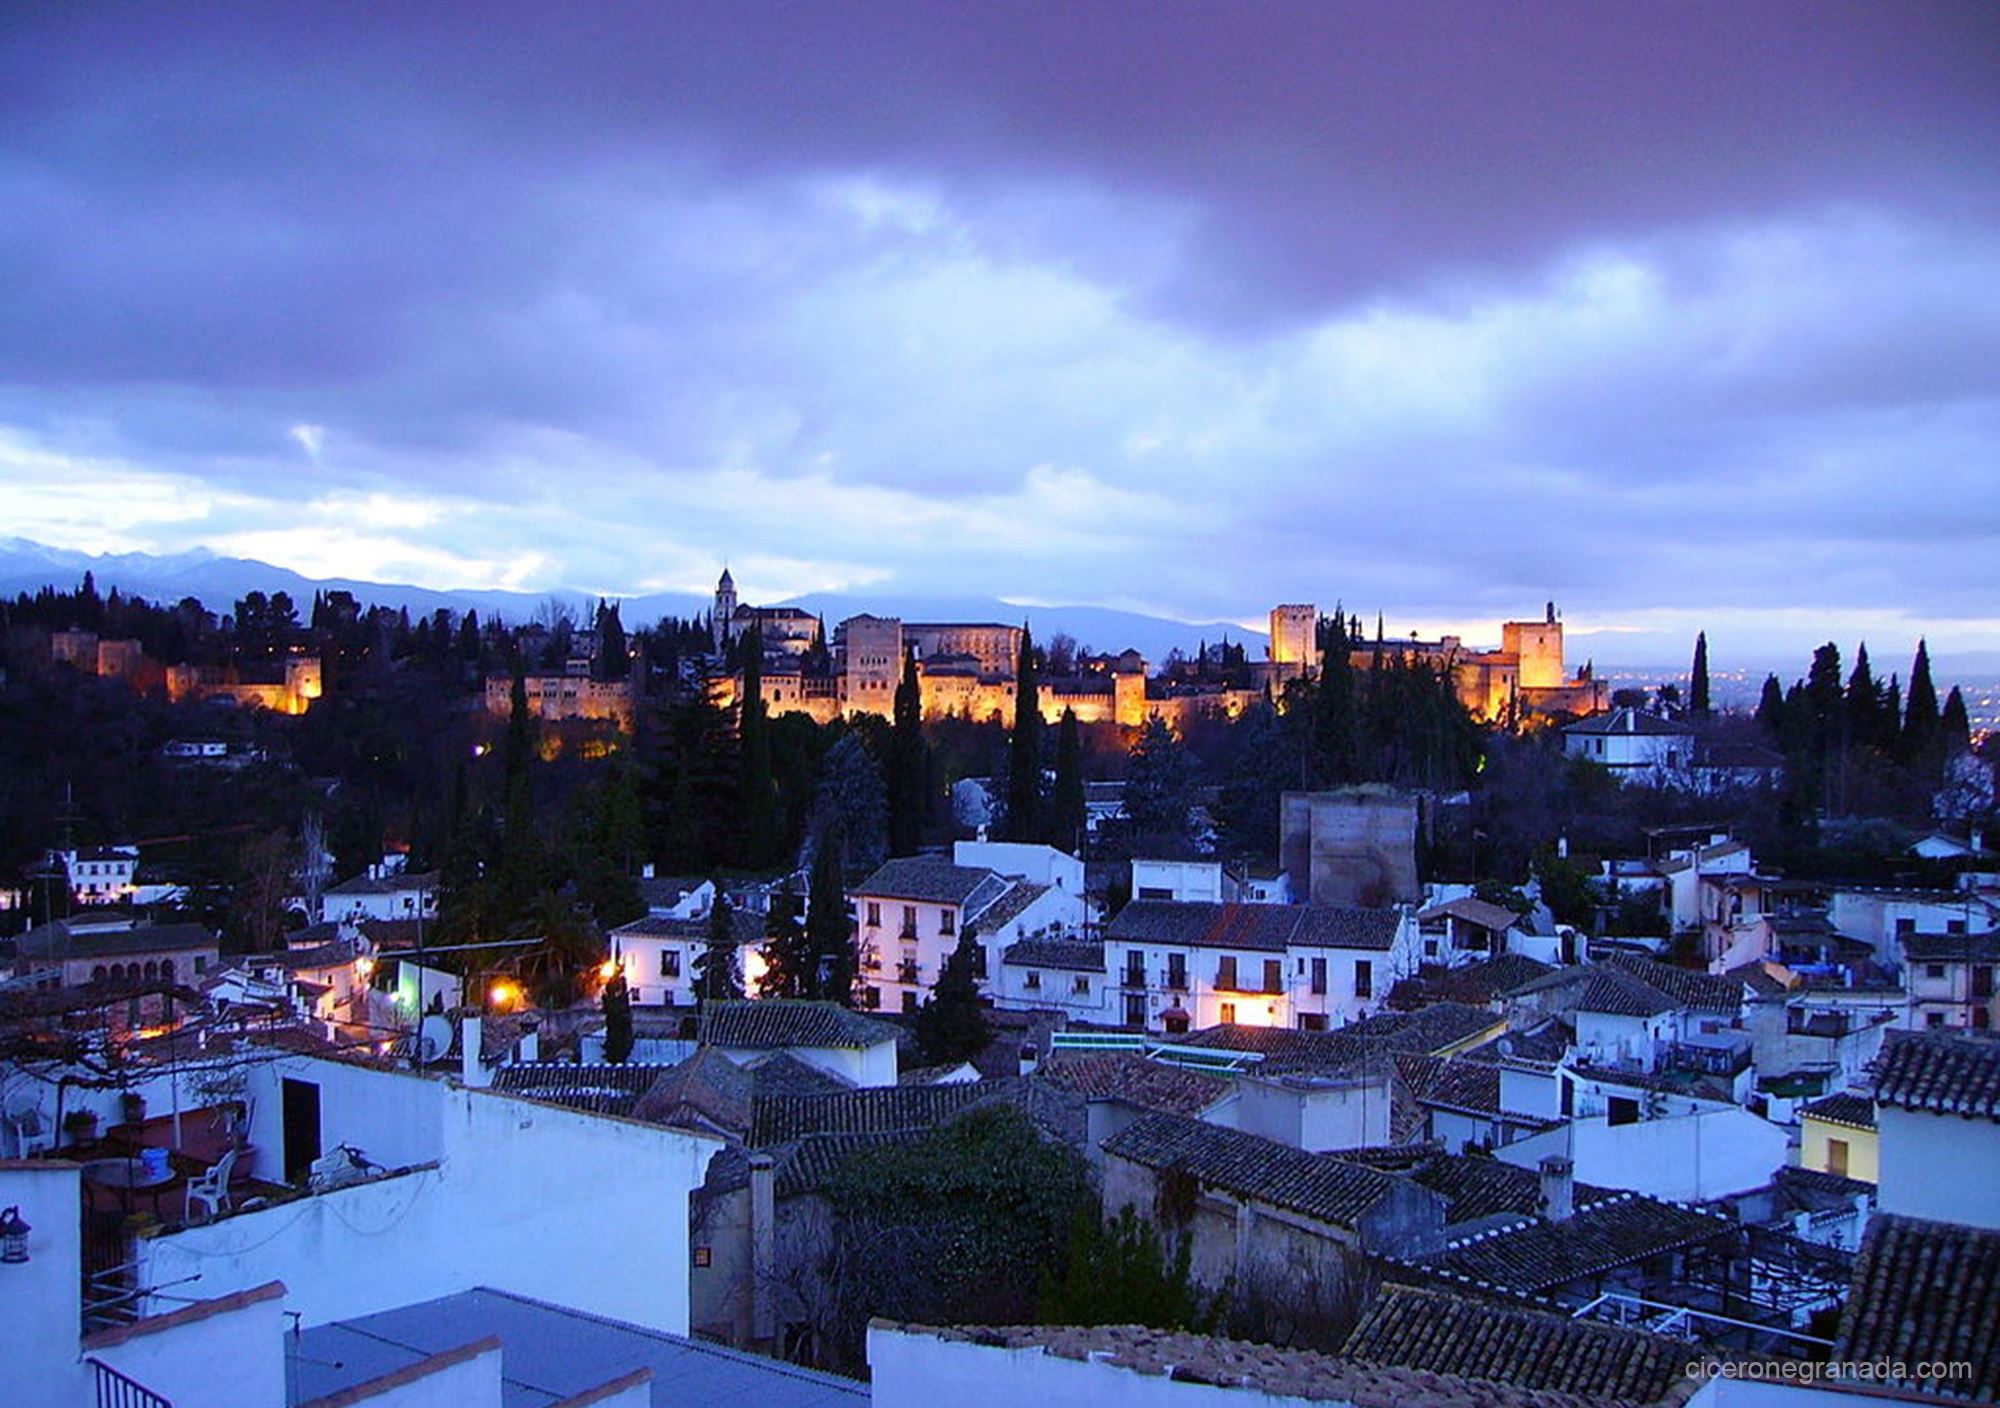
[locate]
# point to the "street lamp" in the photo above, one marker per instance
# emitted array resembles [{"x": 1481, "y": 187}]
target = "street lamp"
[{"x": 14, "y": 1232}]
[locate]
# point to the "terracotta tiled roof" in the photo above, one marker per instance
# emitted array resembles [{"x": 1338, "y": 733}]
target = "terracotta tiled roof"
[
  {"x": 1926, "y": 1291},
  {"x": 1475, "y": 1187},
  {"x": 1843, "y": 1107},
  {"x": 769, "y": 1023},
  {"x": 1474, "y": 911},
  {"x": 1010, "y": 906},
  {"x": 1272, "y": 1374},
  {"x": 1248, "y": 1166},
  {"x": 931, "y": 881},
  {"x": 600, "y": 1089},
  {"x": 1072, "y": 955},
  {"x": 890, "y": 1109},
  {"x": 1433, "y": 1330},
  {"x": 1533, "y": 1257},
  {"x": 1945, "y": 1073},
  {"x": 1133, "y": 1078},
  {"x": 1265, "y": 928},
  {"x": 1953, "y": 948}
]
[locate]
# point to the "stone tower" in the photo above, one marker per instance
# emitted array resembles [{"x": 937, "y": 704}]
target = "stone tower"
[
  {"x": 1538, "y": 646},
  {"x": 725, "y": 609},
  {"x": 1295, "y": 639}
]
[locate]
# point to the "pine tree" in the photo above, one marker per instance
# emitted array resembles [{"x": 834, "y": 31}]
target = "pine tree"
[
  {"x": 1698, "y": 678},
  {"x": 829, "y": 931},
  {"x": 717, "y": 975},
  {"x": 1069, "y": 802},
  {"x": 617, "y": 1004},
  {"x": 951, "y": 1025},
  {"x": 907, "y": 765},
  {"x": 1024, "y": 763}
]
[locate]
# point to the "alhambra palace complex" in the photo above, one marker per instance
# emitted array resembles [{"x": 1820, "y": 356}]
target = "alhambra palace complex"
[{"x": 967, "y": 669}]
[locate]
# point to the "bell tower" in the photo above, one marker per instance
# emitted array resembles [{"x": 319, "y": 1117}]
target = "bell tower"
[{"x": 725, "y": 609}]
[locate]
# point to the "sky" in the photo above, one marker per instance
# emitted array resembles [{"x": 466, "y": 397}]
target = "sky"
[{"x": 1684, "y": 315}]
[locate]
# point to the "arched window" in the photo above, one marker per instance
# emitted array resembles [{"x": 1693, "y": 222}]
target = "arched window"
[
  {"x": 166, "y": 968},
  {"x": 98, "y": 974},
  {"x": 117, "y": 971},
  {"x": 152, "y": 969}
]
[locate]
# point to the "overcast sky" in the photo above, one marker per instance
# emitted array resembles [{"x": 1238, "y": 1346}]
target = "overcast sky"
[{"x": 1684, "y": 315}]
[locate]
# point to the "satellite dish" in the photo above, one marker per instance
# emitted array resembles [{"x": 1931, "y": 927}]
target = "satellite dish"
[{"x": 434, "y": 1038}]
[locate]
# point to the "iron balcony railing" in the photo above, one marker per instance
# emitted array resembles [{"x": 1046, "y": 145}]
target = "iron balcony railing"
[{"x": 114, "y": 1390}]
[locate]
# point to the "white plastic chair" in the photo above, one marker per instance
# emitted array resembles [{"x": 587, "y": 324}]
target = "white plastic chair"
[{"x": 211, "y": 1190}]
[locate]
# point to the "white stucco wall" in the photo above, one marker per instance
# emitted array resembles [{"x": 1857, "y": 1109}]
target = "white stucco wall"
[
  {"x": 470, "y": 1383},
  {"x": 916, "y": 1370},
  {"x": 1925, "y": 1164},
  {"x": 43, "y": 1310},
  {"x": 1689, "y": 1158},
  {"x": 226, "y": 1360},
  {"x": 578, "y": 1209}
]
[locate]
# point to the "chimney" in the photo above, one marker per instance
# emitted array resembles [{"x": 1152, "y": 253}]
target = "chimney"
[
  {"x": 1978, "y": 840},
  {"x": 646, "y": 871},
  {"x": 763, "y": 1249},
  {"x": 1558, "y": 1188},
  {"x": 1030, "y": 1058},
  {"x": 1562, "y": 847},
  {"x": 471, "y": 1068},
  {"x": 531, "y": 1043}
]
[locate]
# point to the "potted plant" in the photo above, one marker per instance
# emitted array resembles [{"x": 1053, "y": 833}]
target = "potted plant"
[
  {"x": 134, "y": 1106},
  {"x": 80, "y": 1126}
]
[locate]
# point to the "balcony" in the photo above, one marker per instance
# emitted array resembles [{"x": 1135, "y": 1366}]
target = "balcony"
[
  {"x": 1132, "y": 978},
  {"x": 908, "y": 973},
  {"x": 908, "y": 933}
]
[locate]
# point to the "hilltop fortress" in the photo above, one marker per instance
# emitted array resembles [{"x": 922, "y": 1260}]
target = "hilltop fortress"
[{"x": 968, "y": 669}]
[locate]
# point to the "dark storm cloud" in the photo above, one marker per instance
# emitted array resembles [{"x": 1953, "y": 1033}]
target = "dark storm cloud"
[{"x": 1190, "y": 306}]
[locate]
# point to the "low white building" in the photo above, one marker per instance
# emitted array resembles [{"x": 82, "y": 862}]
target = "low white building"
[
  {"x": 1312, "y": 967},
  {"x": 658, "y": 954},
  {"x": 912, "y": 913},
  {"x": 384, "y": 892},
  {"x": 103, "y": 875},
  {"x": 1937, "y": 1121},
  {"x": 1054, "y": 975},
  {"x": 1882, "y": 917},
  {"x": 826, "y": 1036},
  {"x": 1636, "y": 747}
]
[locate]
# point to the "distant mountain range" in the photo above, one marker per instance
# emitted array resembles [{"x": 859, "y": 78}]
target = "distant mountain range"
[{"x": 27, "y": 566}]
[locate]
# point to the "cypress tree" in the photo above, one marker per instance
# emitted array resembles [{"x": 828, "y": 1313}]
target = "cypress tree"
[
  {"x": 788, "y": 957},
  {"x": 617, "y": 1004},
  {"x": 759, "y": 787},
  {"x": 1024, "y": 763},
  {"x": 829, "y": 931},
  {"x": 1698, "y": 679},
  {"x": 907, "y": 764},
  {"x": 1335, "y": 750},
  {"x": 951, "y": 1025},
  {"x": 1864, "y": 702},
  {"x": 1068, "y": 804},
  {"x": 1920, "y": 714},
  {"x": 1771, "y": 709},
  {"x": 718, "y": 977},
  {"x": 1955, "y": 725}
]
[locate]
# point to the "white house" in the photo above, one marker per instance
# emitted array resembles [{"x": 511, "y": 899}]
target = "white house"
[
  {"x": 384, "y": 892},
  {"x": 1018, "y": 860},
  {"x": 104, "y": 875},
  {"x": 1313, "y": 967},
  {"x": 1882, "y": 917},
  {"x": 912, "y": 913},
  {"x": 658, "y": 954},
  {"x": 1184, "y": 881},
  {"x": 1054, "y": 975},
  {"x": 824, "y": 1035},
  {"x": 1937, "y": 1121},
  {"x": 1636, "y": 747},
  {"x": 1950, "y": 979}
]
